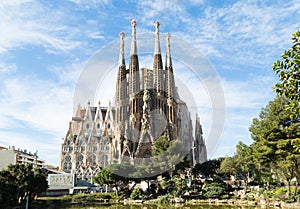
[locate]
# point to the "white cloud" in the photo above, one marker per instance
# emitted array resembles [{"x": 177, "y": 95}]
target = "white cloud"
[
  {"x": 250, "y": 94},
  {"x": 7, "y": 67},
  {"x": 88, "y": 4},
  {"x": 247, "y": 31},
  {"x": 244, "y": 32},
  {"x": 41, "y": 104},
  {"x": 29, "y": 22}
]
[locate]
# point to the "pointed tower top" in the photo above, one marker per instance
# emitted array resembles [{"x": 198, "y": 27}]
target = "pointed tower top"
[
  {"x": 133, "y": 50},
  {"x": 121, "y": 56},
  {"x": 122, "y": 34},
  {"x": 168, "y": 54},
  {"x": 168, "y": 36},
  {"x": 157, "y": 42},
  {"x": 157, "y": 24},
  {"x": 99, "y": 103},
  {"x": 133, "y": 22}
]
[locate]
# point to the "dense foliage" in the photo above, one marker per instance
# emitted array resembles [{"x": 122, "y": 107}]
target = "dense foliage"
[
  {"x": 273, "y": 133},
  {"x": 19, "y": 181},
  {"x": 288, "y": 71}
]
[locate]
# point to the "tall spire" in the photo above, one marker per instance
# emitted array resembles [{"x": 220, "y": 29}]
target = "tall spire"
[
  {"x": 168, "y": 54},
  {"x": 121, "y": 56},
  {"x": 133, "y": 50},
  {"x": 170, "y": 83},
  {"x": 121, "y": 79},
  {"x": 157, "y": 42},
  {"x": 134, "y": 64},
  {"x": 157, "y": 63}
]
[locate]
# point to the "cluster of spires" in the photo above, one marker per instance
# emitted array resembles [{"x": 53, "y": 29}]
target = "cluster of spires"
[{"x": 158, "y": 83}]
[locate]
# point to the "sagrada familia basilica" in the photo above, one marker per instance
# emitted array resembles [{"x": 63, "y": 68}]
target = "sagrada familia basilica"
[{"x": 147, "y": 106}]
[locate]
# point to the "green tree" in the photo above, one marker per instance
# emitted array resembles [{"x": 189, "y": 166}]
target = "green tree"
[
  {"x": 136, "y": 194},
  {"x": 114, "y": 174},
  {"x": 179, "y": 186},
  {"x": 227, "y": 167},
  {"x": 214, "y": 189},
  {"x": 208, "y": 168},
  {"x": 167, "y": 156},
  {"x": 146, "y": 170},
  {"x": 19, "y": 181},
  {"x": 175, "y": 186},
  {"x": 272, "y": 133},
  {"x": 244, "y": 162},
  {"x": 161, "y": 145},
  {"x": 288, "y": 71},
  {"x": 104, "y": 177},
  {"x": 285, "y": 171}
]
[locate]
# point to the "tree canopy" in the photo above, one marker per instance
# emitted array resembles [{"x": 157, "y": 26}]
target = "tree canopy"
[
  {"x": 19, "y": 181},
  {"x": 272, "y": 134},
  {"x": 288, "y": 71}
]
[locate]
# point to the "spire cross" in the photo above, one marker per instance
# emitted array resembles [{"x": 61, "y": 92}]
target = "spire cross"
[
  {"x": 122, "y": 34},
  {"x": 157, "y": 24},
  {"x": 133, "y": 23},
  {"x": 168, "y": 36},
  {"x": 133, "y": 50}
]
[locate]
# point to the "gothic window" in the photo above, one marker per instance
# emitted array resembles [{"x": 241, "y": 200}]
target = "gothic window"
[
  {"x": 79, "y": 160},
  {"x": 107, "y": 148},
  {"x": 80, "y": 142},
  {"x": 108, "y": 117},
  {"x": 104, "y": 161},
  {"x": 68, "y": 142},
  {"x": 68, "y": 158},
  {"x": 104, "y": 142},
  {"x": 95, "y": 149},
  {"x": 67, "y": 163},
  {"x": 87, "y": 126},
  {"x": 108, "y": 126},
  {"x": 98, "y": 125}
]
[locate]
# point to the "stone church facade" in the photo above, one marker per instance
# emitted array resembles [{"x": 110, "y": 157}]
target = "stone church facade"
[{"x": 147, "y": 106}]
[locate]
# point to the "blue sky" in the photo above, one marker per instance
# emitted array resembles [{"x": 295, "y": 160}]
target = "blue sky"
[{"x": 45, "y": 45}]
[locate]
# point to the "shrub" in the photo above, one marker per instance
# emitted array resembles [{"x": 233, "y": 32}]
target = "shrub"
[
  {"x": 163, "y": 199},
  {"x": 136, "y": 194},
  {"x": 214, "y": 190},
  {"x": 104, "y": 195},
  {"x": 280, "y": 193}
]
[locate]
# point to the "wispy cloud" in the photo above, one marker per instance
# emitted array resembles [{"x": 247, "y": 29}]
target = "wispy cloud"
[
  {"x": 243, "y": 30},
  {"x": 29, "y": 22},
  {"x": 43, "y": 105},
  {"x": 7, "y": 67}
]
